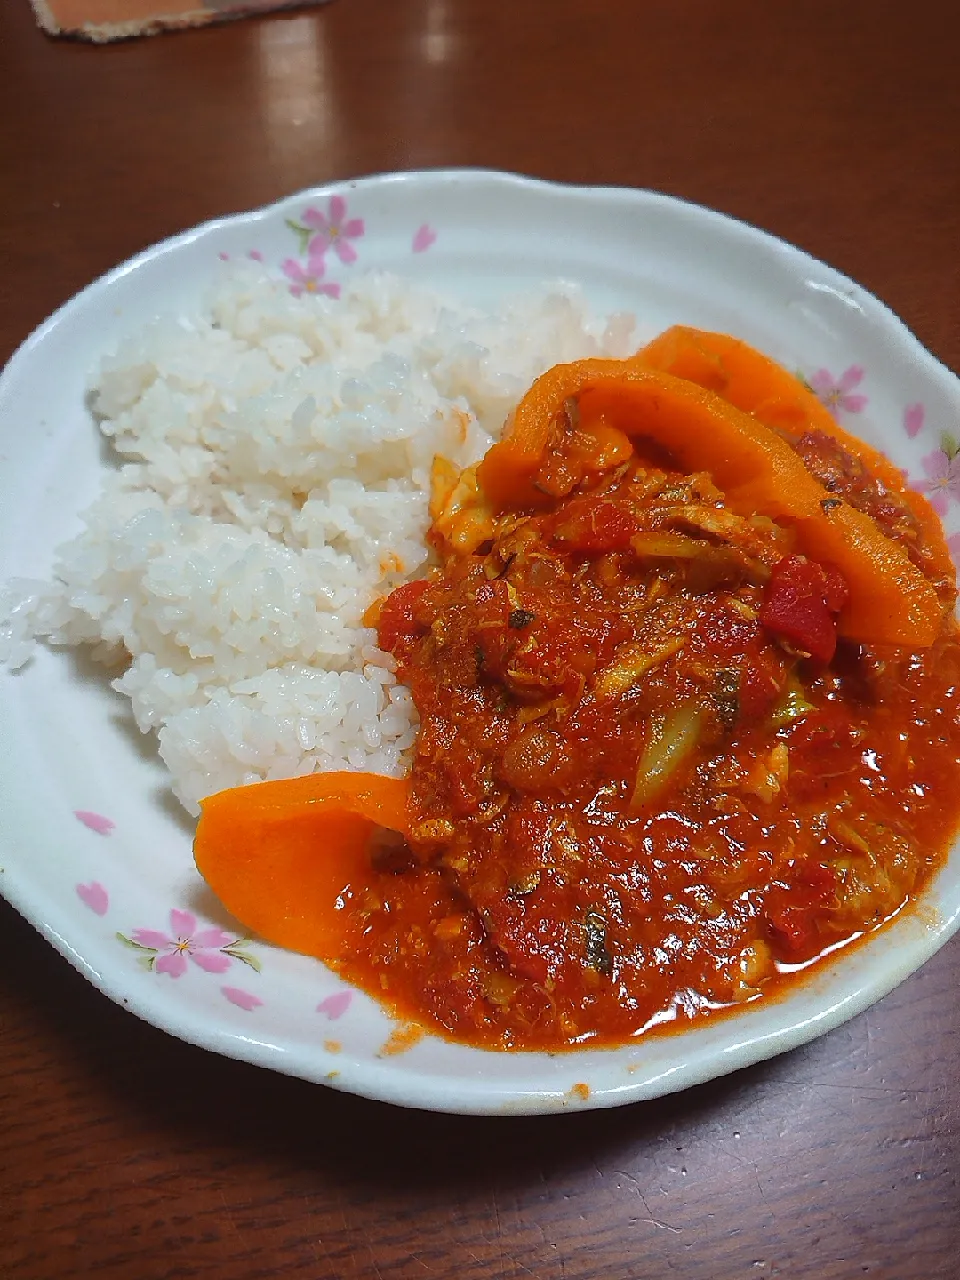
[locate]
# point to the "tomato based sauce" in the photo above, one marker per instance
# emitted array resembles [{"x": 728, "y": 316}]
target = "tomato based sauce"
[{"x": 650, "y": 782}]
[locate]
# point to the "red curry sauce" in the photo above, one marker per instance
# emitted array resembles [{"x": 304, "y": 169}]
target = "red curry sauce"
[{"x": 649, "y": 781}]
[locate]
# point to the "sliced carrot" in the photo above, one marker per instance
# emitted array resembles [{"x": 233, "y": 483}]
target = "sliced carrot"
[
  {"x": 508, "y": 469},
  {"x": 281, "y": 855},
  {"x": 890, "y": 599},
  {"x": 756, "y": 384},
  {"x": 759, "y": 386}
]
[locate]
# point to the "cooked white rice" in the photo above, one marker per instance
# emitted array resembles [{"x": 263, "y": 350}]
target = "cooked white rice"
[{"x": 280, "y": 451}]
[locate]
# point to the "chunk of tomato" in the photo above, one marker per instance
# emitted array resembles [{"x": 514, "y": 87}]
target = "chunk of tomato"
[
  {"x": 397, "y": 626},
  {"x": 793, "y": 911},
  {"x": 800, "y": 605},
  {"x": 596, "y": 526}
]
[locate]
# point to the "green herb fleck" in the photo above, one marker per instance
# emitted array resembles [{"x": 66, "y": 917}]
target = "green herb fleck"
[
  {"x": 520, "y": 618},
  {"x": 726, "y": 695},
  {"x": 598, "y": 954},
  {"x": 791, "y": 706}
]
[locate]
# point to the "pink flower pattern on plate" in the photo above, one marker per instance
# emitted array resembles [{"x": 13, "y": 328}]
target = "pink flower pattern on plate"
[
  {"x": 942, "y": 479},
  {"x": 317, "y": 232},
  {"x": 335, "y": 1006},
  {"x": 837, "y": 393},
  {"x": 242, "y": 999},
  {"x": 334, "y": 230},
  {"x": 212, "y": 950},
  {"x": 95, "y": 821},
  {"x": 309, "y": 278},
  {"x": 94, "y": 896},
  {"x": 425, "y": 236},
  {"x": 913, "y": 416}
]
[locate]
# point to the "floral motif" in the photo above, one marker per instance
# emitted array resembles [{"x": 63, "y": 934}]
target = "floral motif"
[
  {"x": 425, "y": 236},
  {"x": 317, "y": 232},
  {"x": 95, "y": 821},
  {"x": 242, "y": 999},
  {"x": 942, "y": 471},
  {"x": 212, "y": 950},
  {"x": 837, "y": 393},
  {"x": 333, "y": 230},
  {"x": 308, "y": 279},
  {"x": 94, "y": 896},
  {"x": 335, "y": 1006},
  {"x": 913, "y": 416}
]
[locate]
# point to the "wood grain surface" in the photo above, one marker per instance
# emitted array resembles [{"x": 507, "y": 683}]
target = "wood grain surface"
[{"x": 124, "y": 1153}]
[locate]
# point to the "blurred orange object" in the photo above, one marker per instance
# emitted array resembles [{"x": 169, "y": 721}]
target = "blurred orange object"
[{"x": 104, "y": 20}]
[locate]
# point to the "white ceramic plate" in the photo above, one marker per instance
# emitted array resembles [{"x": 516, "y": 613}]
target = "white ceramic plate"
[{"x": 94, "y": 852}]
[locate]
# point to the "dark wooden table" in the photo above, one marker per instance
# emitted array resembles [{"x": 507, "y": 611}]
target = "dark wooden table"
[{"x": 124, "y": 1153}]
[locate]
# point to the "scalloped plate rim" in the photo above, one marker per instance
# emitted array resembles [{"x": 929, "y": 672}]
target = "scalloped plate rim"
[{"x": 392, "y": 1082}]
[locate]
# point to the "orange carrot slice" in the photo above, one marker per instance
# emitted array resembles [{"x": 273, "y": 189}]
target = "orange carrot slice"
[
  {"x": 890, "y": 599},
  {"x": 281, "y": 855},
  {"x": 759, "y": 386},
  {"x": 507, "y": 470}
]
